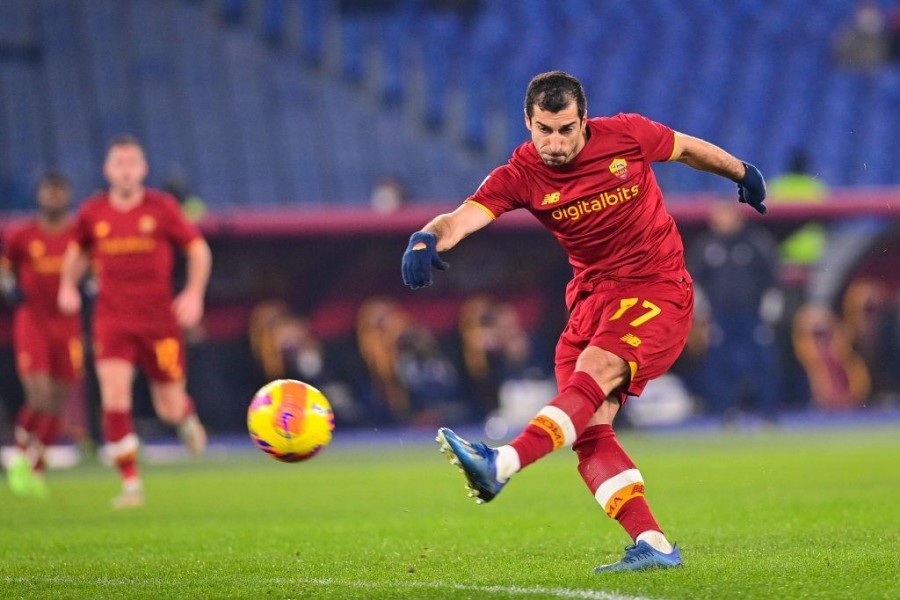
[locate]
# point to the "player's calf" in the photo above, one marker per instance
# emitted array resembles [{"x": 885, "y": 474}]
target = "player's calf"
[
  {"x": 618, "y": 486},
  {"x": 176, "y": 407}
]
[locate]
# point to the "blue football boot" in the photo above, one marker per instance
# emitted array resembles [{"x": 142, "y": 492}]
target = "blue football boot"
[
  {"x": 478, "y": 463},
  {"x": 643, "y": 556}
]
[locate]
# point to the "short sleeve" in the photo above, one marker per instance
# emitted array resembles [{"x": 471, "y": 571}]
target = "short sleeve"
[
  {"x": 500, "y": 192},
  {"x": 178, "y": 229},
  {"x": 656, "y": 140}
]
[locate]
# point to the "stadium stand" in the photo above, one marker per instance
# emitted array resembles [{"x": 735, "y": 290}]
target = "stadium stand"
[{"x": 264, "y": 102}]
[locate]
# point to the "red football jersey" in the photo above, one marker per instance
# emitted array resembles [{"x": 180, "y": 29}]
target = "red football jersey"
[
  {"x": 605, "y": 207},
  {"x": 132, "y": 254},
  {"x": 35, "y": 255}
]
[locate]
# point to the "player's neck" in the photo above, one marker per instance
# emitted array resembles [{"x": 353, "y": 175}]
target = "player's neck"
[
  {"x": 53, "y": 223},
  {"x": 125, "y": 200},
  {"x": 584, "y": 141}
]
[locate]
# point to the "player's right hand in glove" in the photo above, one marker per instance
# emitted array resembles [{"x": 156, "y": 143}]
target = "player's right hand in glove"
[
  {"x": 418, "y": 260},
  {"x": 752, "y": 189}
]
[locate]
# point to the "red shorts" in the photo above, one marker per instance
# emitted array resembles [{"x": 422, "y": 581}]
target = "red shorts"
[
  {"x": 48, "y": 344},
  {"x": 156, "y": 347},
  {"x": 645, "y": 322}
]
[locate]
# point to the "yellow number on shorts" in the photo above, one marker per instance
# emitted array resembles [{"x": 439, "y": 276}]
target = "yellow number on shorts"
[
  {"x": 652, "y": 311},
  {"x": 168, "y": 352},
  {"x": 626, "y": 303},
  {"x": 76, "y": 355}
]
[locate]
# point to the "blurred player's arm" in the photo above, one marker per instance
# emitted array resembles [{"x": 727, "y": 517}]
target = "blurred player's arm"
[
  {"x": 451, "y": 228},
  {"x": 188, "y": 305},
  {"x": 704, "y": 156},
  {"x": 75, "y": 265}
]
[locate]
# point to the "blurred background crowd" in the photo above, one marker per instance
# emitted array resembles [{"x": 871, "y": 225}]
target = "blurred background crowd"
[{"x": 308, "y": 138}]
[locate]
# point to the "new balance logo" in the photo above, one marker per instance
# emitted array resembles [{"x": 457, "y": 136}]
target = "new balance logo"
[
  {"x": 550, "y": 199},
  {"x": 631, "y": 340}
]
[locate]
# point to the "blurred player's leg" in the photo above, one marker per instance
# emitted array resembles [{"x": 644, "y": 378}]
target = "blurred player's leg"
[
  {"x": 174, "y": 406},
  {"x": 115, "y": 377},
  {"x": 163, "y": 360},
  {"x": 36, "y": 427},
  {"x": 18, "y": 471}
]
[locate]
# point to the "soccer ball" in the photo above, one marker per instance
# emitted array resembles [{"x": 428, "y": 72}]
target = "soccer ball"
[{"x": 290, "y": 420}]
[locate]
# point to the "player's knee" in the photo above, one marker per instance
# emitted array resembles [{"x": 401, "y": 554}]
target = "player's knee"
[
  {"x": 115, "y": 378},
  {"x": 38, "y": 392},
  {"x": 115, "y": 396},
  {"x": 60, "y": 392},
  {"x": 607, "y": 369}
]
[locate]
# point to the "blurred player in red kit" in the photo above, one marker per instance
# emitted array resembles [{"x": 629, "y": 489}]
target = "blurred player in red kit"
[
  {"x": 47, "y": 342},
  {"x": 590, "y": 182},
  {"x": 128, "y": 233}
]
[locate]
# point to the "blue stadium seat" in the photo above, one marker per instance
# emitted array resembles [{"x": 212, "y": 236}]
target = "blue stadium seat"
[{"x": 429, "y": 91}]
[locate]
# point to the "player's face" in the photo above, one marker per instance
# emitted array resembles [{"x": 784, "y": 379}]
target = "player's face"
[
  {"x": 559, "y": 136},
  {"x": 125, "y": 168},
  {"x": 53, "y": 199},
  {"x": 726, "y": 218}
]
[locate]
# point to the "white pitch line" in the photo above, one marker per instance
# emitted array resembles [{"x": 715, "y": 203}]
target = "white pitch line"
[
  {"x": 513, "y": 590},
  {"x": 510, "y": 590}
]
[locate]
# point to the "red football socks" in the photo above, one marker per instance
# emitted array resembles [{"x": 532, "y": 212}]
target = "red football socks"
[
  {"x": 559, "y": 423},
  {"x": 24, "y": 427},
  {"x": 35, "y": 431},
  {"x": 121, "y": 442},
  {"x": 46, "y": 428},
  {"x": 614, "y": 480}
]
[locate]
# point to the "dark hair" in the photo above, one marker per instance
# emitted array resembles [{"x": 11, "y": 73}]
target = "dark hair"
[
  {"x": 124, "y": 139},
  {"x": 554, "y": 91},
  {"x": 54, "y": 179}
]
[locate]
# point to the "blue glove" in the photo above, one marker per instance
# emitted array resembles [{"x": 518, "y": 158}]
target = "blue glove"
[
  {"x": 752, "y": 189},
  {"x": 420, "y": 256}
]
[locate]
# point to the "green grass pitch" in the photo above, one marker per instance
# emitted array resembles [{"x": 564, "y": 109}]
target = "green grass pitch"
[{"x": 767, "y": 515}]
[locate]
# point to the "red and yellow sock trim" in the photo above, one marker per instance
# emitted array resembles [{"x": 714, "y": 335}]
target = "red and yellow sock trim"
[
  {"x": 557, "y": 424},
  {"x": 552, "y": 428},
  {"x": 619, "y": 489}
]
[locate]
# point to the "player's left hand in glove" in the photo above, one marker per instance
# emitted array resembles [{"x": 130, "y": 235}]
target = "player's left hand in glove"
[
  {"x": 418, "y": 260},
  {"x": 752, "y": 189}
]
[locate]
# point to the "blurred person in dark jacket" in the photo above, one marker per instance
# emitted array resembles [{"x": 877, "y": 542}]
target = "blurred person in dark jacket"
[
  {"x": 734, "y": 263},
  {"x": 863, "y": 43},
  {"x": 430, "y": 379}
]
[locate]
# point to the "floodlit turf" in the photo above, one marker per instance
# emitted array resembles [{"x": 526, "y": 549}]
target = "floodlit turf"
[{"x": 765, "y": 515}]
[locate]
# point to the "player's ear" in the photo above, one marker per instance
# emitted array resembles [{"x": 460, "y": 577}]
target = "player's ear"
[{"x": 527, "y": 121}]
